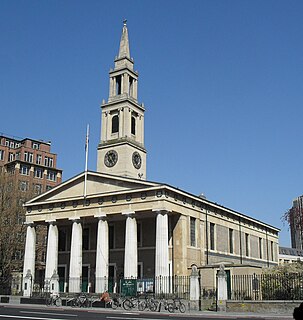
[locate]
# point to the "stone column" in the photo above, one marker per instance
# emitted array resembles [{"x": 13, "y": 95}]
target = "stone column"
[
  {"x": 162, "y": 284},
  {"x": 51, "y": 267},
  {"x": 102, "y": 256},
  {"x": 131, "y": 247},
  {"x": 194, "y": 295},
  {"x": 29, "y": 260},
  {"x": 221, "y": 289},
  {"x": 75, "y": 267}
]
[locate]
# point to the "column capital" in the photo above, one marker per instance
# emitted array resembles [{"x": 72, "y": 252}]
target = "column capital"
[
  {"x": 128, "y": 213},
  {"x": 75, "y": 219},
  {"x": 100, "y": 216},
  {"x": 52, "y": 222},
  {"x": 29, "y": 224},
  {"x": 161, "y": 210}
]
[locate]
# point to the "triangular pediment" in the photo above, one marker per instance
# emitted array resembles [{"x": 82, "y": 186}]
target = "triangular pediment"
[{"x": 96, "y": 184}]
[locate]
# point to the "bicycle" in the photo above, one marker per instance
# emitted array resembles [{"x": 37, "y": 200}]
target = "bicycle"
[
  {"x": 176, "y": 305},
  {"x": 54, "y": 300},
  {"x": 147, "y": 303},
  {"x": 130, "y": 303},
  {"x": 80, "y": 301}
]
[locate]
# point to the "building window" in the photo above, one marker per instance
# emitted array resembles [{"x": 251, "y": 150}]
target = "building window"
[
  {"x": 36, "y": 145},
  {"x": 111, "y": 237},
  {"x": 38, "y": 188},
  {"x": 39, "y": 159},
  {"x": 133, "y": 125},
  {"x": 231, "y": 240},
  {"x": 272, "y": 250},
  {"x": 23, "y": 185},
  {"x": 260, "y": 248},
  {"x": 18, "y": 156},
  {"x": 51, "y": 175},
  {"x": 247, "y": 244},
  {"x": 48, "y": 162},
  {"x": 1, "y": 155},
  {"x": 212, "y": 236},
  {"x": 30, "y": 157},
  {"x": 139, "y": 234},
  {"x": 24, "y": 170},
  {"x": 192, "y": 231},
  {"x": 38, "y": 173},
  {"x": 62, "y": 240},
  {"x": 11, "y": 156},
  {"x": 115, "y": 124},
  {"x": 85, "y": 239},
  {"x": 118, "y": 85},
  {"x": 12, "y": 145}
]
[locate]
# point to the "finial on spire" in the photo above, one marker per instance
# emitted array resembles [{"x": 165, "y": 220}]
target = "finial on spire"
[{"x": 124, "y": 45}]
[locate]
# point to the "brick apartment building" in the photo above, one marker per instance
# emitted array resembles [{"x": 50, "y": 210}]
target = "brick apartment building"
[
  {"x": 34, "y": 168},
  {"x": 31, "y": 161}
]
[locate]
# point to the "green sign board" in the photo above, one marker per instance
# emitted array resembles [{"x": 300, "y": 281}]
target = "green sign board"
[{"x": 129, "y": 287}]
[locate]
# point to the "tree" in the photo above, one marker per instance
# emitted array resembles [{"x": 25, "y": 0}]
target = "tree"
[{"x": 12, "y": 235}]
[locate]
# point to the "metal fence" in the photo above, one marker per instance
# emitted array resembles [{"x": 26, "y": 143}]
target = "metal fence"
[
  {"x": 169, "y": 286},
  {"x": 287, "y": 286}
]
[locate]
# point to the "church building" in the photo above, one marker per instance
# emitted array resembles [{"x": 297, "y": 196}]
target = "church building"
[{"x": 116, "y": 223}]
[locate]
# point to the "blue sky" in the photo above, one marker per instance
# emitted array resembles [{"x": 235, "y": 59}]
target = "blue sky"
[{"x": 221, "y": 81}]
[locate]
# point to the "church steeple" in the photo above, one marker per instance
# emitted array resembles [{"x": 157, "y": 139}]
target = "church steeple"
[
  {"x": 121, "y": 149},
  {"x": 124, "y": 43}
]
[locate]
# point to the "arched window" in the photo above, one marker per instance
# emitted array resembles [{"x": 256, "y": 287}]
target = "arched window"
[
  {"x": 115, "y": 124},
  {"x": 133, "y": 130}
]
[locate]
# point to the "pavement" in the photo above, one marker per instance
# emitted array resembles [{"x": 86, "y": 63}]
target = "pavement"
[{"x": 188, "y": 314}]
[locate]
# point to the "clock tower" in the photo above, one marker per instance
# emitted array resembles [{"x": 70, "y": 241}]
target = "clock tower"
[{"x": 121, "y": 150}]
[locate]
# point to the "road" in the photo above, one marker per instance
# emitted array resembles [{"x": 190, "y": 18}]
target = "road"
[{"x": 44, "y": 313}]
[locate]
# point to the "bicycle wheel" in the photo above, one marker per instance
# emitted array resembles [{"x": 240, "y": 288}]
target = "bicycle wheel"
[
  {"x": 152, "y": 306},
  {"x": 115, "y": 304},
  {"x": 142, "y": 305},
  {"x": 127, "y": 304},
  {"x": 58, "y": 302},
  {"x": 182, "y": 307},
  {"x": 48, "y": 301},
  {"x": 171, "y": 307}
]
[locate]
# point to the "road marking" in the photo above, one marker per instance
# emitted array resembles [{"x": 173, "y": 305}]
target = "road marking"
[
  {"x": 23, "y": 317},
  {"x": 133, "y": 318},
  {"x": 49, "y": 313}
]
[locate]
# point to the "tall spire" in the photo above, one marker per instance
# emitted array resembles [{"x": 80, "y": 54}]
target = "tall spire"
[{"x": 124, "y": 44}]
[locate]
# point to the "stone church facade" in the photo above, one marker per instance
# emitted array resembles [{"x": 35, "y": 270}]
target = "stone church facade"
[{"x": 114, "y": 223}]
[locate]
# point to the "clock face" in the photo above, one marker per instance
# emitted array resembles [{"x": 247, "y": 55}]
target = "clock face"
[
  {"x": 111, "y": 158},
  {"x": 137, "y": 161}
]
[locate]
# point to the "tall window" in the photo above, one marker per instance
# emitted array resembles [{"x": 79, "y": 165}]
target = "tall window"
[
  {"x": 272, "y": 250},
  {"x": 23, "y": 185},
  {"x": 38, "y": 173},
  {"x": 231, "y": 240},
  {"x": 139, "y": 234},
  {"x": 11, "y": 156},
  {"x": 48, "y": 162},
  {"x": 39, "y": 159},
  {"x": 115, "y": 124},
  {"x": 51, "y": 175},
  {"x": 192, "y": 231},
  {"x": 247, "y": 244},
  {"x": 62, "y": 240},
  {"x": 133, "y": 130},
  {"x": 85, "y": 239},
  {"x": 260, "y": 248},
  {"x": 2, "y": 155},
  {"x": 212, "y": 236},
  {"x": 111, "y": 237},
  {"x": 118, "y": 85},
  {"x": 24, "y": 170}
]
